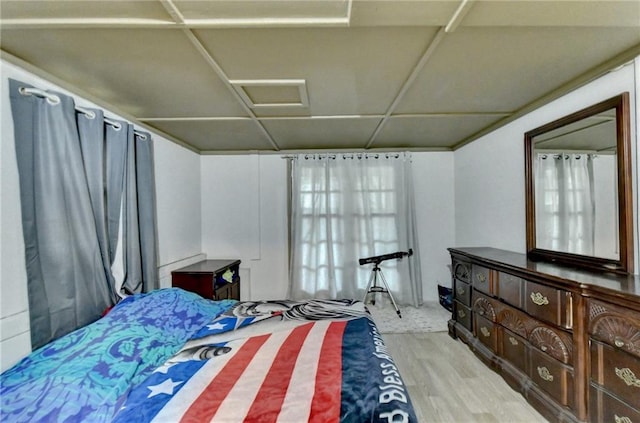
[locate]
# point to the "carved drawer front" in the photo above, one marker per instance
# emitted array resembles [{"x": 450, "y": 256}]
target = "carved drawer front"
[
  {"x": 516, "y": 321},
  {"x": 553, "y": 342},
  {"x": 462, "y": 314},
  {"x": 552, "y": 376},
  {"x": 604, "y": 408},
  {"x": 482, "y": 279},
  {"x": 514, "y": 349},
  {"x": 617, "y": 371},
  {"x": 510, "y": 288},
  {"x": 485, "y": 306},
  {"x": 548, "y": 304},
  {"x": 486, "y": 332},
  {"x": 462, "y": 292},
  {"x": 616, "y": 326},
  {"x": 461, "y": 270}
]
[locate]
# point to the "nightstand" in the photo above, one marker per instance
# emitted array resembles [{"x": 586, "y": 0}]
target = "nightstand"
[{"x": 213, "y": 279}]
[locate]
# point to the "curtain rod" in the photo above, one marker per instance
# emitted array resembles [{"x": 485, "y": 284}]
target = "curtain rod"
[
  {"x": 345, "y": 156},
  {"x": 54, "y": 99}
]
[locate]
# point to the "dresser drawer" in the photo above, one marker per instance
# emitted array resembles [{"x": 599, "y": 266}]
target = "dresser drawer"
[
  {"x": 552, "y": 342},
  {"x": 548, "y": 304},
  {"x": 486, "y": 332},
  {"x": 552, "y": 376},
  {"x": 461, "y": 270},
  {"x": 616, "y": 326},
  {"x": 514, "y": 349},
  {"x": 510, "y": 288},
  {"x": 462, "y": 292},
  {"x": 485, "y": 306},
  {"x": 604, "y": 408},
  {"x": 617, "y": 371},
  {"x": 462, "y": 315},
  {"x": 482, "y": 279}
]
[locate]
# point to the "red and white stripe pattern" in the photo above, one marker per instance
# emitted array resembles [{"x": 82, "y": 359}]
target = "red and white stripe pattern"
[{"x": 260, "y": 379}]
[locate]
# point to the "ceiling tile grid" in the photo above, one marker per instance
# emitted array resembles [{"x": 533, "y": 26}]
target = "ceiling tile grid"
[{"x": 380, "y": 74}]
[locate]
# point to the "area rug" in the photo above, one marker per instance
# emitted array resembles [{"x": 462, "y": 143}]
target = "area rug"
[{"x": 430, "y": 317}]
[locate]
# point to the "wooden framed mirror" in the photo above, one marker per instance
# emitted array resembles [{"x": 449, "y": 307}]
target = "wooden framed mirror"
[{"x": 578, "y": 188}]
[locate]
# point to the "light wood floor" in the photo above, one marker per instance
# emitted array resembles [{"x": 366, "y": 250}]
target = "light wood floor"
[{"x": 447, "y": 383}]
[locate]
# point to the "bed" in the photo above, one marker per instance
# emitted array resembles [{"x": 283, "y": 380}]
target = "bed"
[{"x": 171, "y": 355}]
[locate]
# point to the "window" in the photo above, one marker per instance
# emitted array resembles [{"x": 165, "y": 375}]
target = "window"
[{"x": 345, "y": 208}]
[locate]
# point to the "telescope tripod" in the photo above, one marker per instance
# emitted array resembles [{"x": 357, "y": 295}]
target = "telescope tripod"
[{"x": 372, "y": 287}]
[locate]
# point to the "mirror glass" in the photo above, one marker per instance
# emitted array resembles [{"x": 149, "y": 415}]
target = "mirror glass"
[{"x": 578, "y": 182}]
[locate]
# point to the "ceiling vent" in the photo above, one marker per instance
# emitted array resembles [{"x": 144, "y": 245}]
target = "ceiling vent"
[{"x": 272, "y": 93}]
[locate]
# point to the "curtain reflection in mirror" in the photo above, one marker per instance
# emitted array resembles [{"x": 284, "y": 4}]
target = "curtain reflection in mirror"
[{"x": 565, "y": 206}]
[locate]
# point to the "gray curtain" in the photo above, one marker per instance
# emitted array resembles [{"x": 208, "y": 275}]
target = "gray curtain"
[
  {"x": 116, "y": 148},
  {"x": 140, "y": 258},
  {"x": 67, "y": 284},
  {"x": 74, "y": 170},
  {"x": 91, "y": 130}
]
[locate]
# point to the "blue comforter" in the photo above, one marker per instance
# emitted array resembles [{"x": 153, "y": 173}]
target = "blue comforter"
[{"x": 87, "y": 374}]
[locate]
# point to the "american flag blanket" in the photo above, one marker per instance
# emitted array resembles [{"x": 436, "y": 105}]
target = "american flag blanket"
[{"x": 285, "y": 361}]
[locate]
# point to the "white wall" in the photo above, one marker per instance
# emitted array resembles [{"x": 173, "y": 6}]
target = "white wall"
[
  {"x": 244, "y": 215},
  {"x": 435, "y": 208},
  {"x": 489, "y": 172},
  {"x": 177, "y": 173}
]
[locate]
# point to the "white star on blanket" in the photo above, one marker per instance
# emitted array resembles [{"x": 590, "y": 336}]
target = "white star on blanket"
[
  {"x": 164, "y": 368},
  {"x": 216, "y": 325},
  {"x": 165, "y": 387}
]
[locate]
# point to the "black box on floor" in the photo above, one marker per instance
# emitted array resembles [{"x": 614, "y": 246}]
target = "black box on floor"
[{"x": 445, "y": 296}]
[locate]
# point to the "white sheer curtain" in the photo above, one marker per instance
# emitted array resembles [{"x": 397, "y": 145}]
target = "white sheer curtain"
[
  {"x": 565, "y": 208},
  {"x": 345, "y": 207}
]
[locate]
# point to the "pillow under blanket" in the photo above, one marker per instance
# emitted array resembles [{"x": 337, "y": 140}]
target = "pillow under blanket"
[{"x": 86, "y": 374}]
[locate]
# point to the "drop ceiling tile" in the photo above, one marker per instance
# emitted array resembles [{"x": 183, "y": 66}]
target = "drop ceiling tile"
[
  {"x": 430, "y": 131},
  {"x": 554, "y": 13},
  {"x": 401, "y": 12},
  {"x": 74, "y": 9},
  {"x": 218, "y": 135},
  {"x": 146, "y": 73},
  {"x": 349, "y": 71},
  {"x": 262, "y": 10},
  {"x": 300, "y": 134},
  {"x": 479, "y": 69}
]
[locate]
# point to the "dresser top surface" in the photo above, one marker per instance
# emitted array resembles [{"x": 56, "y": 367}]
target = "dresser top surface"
[
  {"x": 572, "y": 277},
  {"x": 208, "y": 266}
]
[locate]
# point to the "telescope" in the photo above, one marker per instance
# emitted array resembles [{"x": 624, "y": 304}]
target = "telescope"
[
  {"x": 379, "y": 259},
  {"x": 372, "y": 286}
]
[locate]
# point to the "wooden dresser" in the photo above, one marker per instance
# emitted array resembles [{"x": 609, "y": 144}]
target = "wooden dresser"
[
  {"x": 567, "y": 339},
  {"x": 213, "y": 279}
]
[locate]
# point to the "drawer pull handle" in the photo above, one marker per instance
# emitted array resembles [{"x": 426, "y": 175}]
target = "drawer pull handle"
[
  {"x": 619, "y": 342},
  {"x": 481, "y": 278},
  {"x": 628, "y": 377},
  {"x": 462, "y": 314},
  {"x": 485, "y": 331},
  {"x": 513, "y": 341},
  {"x": 539, "y": 299},
  {"x": 460, "y": 290},
  {"x": 623, "y": 419},
  {"x": 545, "y": 374},
  {"x": 544, "y": 348}
]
